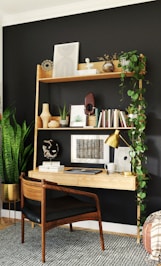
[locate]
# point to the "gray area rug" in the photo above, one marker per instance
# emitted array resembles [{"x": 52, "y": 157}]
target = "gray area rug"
[{"x": 77, "y": 248}]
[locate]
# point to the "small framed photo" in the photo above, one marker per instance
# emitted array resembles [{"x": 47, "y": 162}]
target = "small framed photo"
[
  {"x": 89, "y": 149},
  {"x": 77, "y": 116},
  {"x": 65, "y": 59}
]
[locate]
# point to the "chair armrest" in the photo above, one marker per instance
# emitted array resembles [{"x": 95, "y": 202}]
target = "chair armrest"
[{"x": 54, "y": 186}]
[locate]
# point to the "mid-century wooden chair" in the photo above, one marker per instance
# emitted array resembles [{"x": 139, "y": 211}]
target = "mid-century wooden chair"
[{"x": 71, "y": 206}]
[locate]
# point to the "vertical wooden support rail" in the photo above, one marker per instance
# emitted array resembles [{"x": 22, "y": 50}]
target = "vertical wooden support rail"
[
  {"x": 138, "y": 203},
  {"x": 36, "y": 117}
]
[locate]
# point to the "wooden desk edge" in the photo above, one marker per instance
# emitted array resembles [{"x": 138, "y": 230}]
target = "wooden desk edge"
[{"x": 101, "y": 180}]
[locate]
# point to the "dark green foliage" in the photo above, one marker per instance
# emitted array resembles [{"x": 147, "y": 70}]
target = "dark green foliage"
[{"x": 15, "y": 153}]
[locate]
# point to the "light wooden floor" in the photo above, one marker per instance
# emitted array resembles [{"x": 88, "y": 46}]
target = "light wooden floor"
[{"x": 5, "y": 222}]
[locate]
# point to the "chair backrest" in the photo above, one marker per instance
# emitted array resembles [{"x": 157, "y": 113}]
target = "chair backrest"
[{"x": 31, "y": 189}]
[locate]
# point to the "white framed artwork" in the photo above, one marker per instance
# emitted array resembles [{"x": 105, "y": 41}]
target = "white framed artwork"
[
  {"x": 65, "y": 59},
  {"x": 77, "y": 116},
  {"x": 122, "y": 159},
  {"x": 89, "y": 149}
]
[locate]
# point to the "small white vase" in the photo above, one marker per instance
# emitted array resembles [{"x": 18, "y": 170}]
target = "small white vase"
[
  {"x": 124, "y": 63},
  {"x": 45, "y": 115},
  {"x": 64, "y": 123}
]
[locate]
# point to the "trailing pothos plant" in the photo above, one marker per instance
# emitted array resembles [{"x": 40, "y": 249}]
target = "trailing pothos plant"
[{"x": 135, "y": 63}]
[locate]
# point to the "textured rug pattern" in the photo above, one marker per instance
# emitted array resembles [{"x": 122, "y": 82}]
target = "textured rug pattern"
[{"x": 65, "y": 248}]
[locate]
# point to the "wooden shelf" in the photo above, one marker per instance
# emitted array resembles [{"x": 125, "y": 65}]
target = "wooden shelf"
[
  {"x": 46, "y": 76},
  {"x": 85, "y": 128},
  {"x": 110, "y": 75}
]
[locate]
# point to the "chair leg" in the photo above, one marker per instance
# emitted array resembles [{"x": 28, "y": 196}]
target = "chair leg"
[
  {"x": 71, "y": 227},
  {"x": 22, "y": 228},
  {"x": 43, "y": 243},
  {"x": 101, "y": 234},
  {"x": 32, "y": 224}
]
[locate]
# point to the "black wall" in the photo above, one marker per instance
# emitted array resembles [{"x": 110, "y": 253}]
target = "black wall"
[{"x": 126, "y": 28}]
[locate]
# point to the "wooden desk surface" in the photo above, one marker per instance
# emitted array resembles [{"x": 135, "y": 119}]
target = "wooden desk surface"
[{"x": 101, "y": 180}]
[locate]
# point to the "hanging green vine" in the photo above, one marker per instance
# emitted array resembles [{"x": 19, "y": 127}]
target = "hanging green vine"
[{"x": 135, "y": 63}]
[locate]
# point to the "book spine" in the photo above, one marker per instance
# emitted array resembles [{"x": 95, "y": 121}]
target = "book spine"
[
  {"x": 116, "y": 118},
  {"x": 100, "y": 119}
]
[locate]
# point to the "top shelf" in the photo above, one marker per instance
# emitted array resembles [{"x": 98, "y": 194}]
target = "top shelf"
[
  {"x": 110, "y": 75},
  {"x": 46, "y": 76}
]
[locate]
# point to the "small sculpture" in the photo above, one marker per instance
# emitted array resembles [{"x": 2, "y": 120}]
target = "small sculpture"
[
  {"x": 47, "y": 65},
  {"x": 88, "y": 64},
  {"x": 50, "y": 148},
  {"x": 89, "y": 104}
]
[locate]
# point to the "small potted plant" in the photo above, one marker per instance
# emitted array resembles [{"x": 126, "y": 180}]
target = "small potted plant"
[
  {"x": 108, "y": 65},
  {"x": 64, "y": 119}
]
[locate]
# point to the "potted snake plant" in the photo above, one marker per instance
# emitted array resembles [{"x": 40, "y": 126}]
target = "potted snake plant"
[
  {"x": 64, "y": 119},
  {"x": 15, "y": 153}
]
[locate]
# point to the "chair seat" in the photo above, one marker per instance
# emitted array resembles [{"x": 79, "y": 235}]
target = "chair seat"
[{"x": 57, "y": 208}]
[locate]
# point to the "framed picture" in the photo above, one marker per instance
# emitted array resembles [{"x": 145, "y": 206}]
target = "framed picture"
[
  {"x": 77, "y": 116},
  {"x": 89, "y": 149},
  {"x": 65, "y": 59},
  {"x": 122, "y": 159}
]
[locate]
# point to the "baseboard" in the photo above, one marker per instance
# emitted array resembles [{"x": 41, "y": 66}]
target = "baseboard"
[{"x": 92, "y": 225}]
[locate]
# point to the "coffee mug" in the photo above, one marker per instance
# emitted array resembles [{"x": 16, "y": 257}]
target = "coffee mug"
[{"x": 110, "y": 167}]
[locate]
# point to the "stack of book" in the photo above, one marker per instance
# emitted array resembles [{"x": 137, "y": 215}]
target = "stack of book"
[
  {"x": 108, "y": 118},
  {"x": 112, "y": 118},
  {"x": 51, "y": 167}
]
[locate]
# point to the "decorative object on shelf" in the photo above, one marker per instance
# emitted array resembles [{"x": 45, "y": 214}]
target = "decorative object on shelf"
[
  {"x": 45, "y": 115},
  {"x": 108, "y": 65},
  {"x": 15, "y": 153},
  {"x": 124, "y": 63},
  {"x": 89, "y": 149},
  {"x": 92, "y": 122},
  {"x": 53, "y": 124},
  {"x": 89, "y": 65},
  {"x": 64, "y": 119},
  {"x": 39, "y": 122},
  {"x": 89, "y": 104},
  {"x": 50, "y": 149},
  {"x": 122, "y": 159},
  {"x": 52, "y": 167},
  {"x": 65, "y": 59},
  {"x": 47, "y": 65},
  {"x": 77, "y": 116},
  {"x": 89, "y": 70}
]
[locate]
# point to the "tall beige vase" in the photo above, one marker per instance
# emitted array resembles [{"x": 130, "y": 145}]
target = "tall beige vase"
[{"x": 45, "y": 115}]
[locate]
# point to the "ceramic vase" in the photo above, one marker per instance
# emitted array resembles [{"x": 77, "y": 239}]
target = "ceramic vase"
[
  {"x": 45, "y": 115},
  {"x": 108, "y": 66}
]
